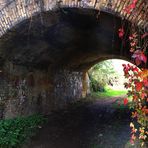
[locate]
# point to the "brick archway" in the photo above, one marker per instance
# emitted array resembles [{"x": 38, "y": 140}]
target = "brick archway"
[
  {"x": 45, "y": 66},
  {"x": 15, "y": 12}
]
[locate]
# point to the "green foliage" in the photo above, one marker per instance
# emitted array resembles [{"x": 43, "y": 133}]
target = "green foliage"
[
  {"x": 94, "y": 84},
  {"x": 15, "y": 132},
  {"x": 100, "y": 75}
]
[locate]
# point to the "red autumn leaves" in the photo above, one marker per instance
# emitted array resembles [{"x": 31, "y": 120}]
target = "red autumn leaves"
[
  {"x": 128, "y": 9},
  {"x": 133, "y": 131},
  {"x": 138, "y": 89},
  {"x": 133, "y": 39},
  {"x": 137, "y": 54},
  {"x": 121, "y": 32},
  {"x": 125, "y": 101},
  {"x": 138, "y": 86},
  {"x": 137, "y": 80}
]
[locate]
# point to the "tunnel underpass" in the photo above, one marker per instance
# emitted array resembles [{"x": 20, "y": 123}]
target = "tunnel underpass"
[
  {"x": 46, "y": 50},
  {"x": 45, "y": 59}
]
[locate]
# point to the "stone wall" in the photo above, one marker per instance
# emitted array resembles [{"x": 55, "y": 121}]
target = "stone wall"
[
  {"x": 18, "y": 10},
  {"x": 86, "y": 85},
  {"x": 25, "y": 91},
  {"x": 68, "y": 87}
]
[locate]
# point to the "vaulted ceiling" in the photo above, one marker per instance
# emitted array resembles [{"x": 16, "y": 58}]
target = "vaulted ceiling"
[
  {"x": 68, "y": 35},
  {"x": 22, "y": 9},
  {"x": 138, "y": 15},
  {"x": 71, "y": 37}
]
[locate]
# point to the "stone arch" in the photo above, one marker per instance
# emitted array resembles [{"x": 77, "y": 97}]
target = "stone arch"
[
  {"x": 85, "y": 78},
  {"x": 15, "y": 11},
  {"x": 103, "y": 58},
  {"x": 86, "y": 86},
  {"x": 57, "y": 70}
]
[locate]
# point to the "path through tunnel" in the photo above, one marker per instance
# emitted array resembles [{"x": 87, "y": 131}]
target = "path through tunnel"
[
  {"x": 95, "y": 122},
  {"x": 44, "y": 63}
]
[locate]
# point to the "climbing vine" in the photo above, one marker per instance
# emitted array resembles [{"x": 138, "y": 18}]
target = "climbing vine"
[
  {"x": 138, "y": 90},
  {"x": 137, "y": 84}
]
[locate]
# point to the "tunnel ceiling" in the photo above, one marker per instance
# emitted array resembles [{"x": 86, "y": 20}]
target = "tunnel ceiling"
[
  {"x": 13, "y": 11},
  {"x": 71, "y": 36},
  {"x": 66, "y": 37}
]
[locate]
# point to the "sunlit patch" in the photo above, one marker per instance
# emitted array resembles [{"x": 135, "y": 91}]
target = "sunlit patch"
[
  {"x": 107, "y": 77},
  {"x": 117, "y": 65}
]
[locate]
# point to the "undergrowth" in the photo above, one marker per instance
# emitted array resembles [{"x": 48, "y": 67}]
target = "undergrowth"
[{"x": 15, "y": 132}]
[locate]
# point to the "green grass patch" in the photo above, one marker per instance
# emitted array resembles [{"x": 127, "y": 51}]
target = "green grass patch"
[
  {"x": 109, "y": 93},
  {"x": 15, "y": 132}
]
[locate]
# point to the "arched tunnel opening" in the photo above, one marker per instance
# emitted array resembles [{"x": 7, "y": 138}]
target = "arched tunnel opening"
[
  {"x": 44, "y": 60},
  {"x": 107, "y": 78},
  {"x": 45, "y": 64}
]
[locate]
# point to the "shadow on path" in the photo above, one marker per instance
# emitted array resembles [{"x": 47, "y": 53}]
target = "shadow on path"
[{"x": 89, "y": 125}]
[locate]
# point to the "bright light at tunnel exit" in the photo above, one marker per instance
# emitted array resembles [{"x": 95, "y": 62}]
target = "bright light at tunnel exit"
[
  {"x": 108, "y": 75},
  {"x": 117, "y": 65}
]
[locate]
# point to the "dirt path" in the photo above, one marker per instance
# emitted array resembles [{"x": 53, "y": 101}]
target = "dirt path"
[{"x": 94, "y": 125}]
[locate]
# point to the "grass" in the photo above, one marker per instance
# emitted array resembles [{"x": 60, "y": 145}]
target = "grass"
[{"x": 109, "y": 93}]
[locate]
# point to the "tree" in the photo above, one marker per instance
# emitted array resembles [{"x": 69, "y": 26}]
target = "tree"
[{"x": 101, "y": 74}]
